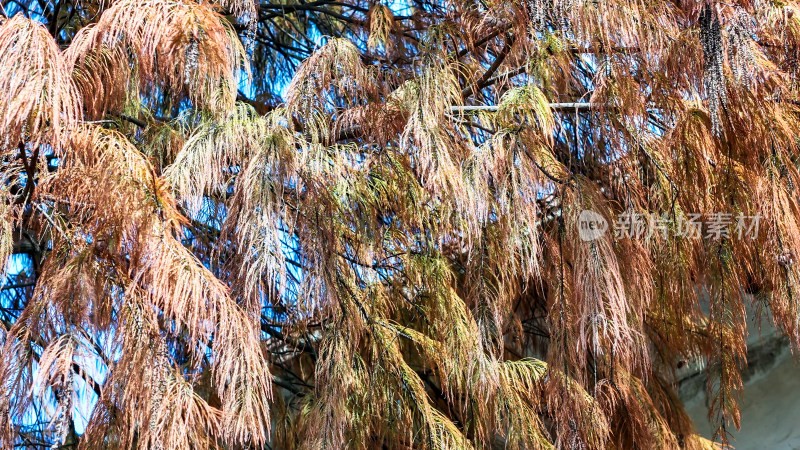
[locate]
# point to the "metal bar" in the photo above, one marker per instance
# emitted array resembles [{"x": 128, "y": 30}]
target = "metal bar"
[{"x": 553, "y": 106}]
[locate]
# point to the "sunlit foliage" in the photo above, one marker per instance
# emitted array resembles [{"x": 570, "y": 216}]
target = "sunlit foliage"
[{"x": 358, "y": 224}]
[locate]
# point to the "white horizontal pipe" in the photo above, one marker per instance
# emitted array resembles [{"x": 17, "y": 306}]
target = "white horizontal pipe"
[{"x": 493, "y": 108}]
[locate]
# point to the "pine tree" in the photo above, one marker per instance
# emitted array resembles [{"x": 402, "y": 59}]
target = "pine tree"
[{"x": 348, "y": 224}]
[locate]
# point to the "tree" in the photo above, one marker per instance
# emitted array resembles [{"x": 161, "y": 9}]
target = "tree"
[{"x": 348, "y": 224}]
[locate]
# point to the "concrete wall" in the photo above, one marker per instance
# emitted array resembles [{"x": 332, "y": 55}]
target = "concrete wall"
[{"x": 770, "y": 406}]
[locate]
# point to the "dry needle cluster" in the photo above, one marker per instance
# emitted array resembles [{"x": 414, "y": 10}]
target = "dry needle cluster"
[{"x": 355, "y": 225}]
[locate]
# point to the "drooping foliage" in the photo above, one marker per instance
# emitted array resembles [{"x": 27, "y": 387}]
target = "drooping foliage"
[{"x": 354, "y": 224}]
